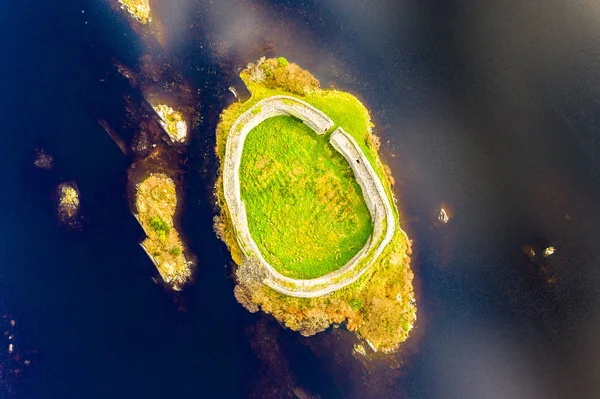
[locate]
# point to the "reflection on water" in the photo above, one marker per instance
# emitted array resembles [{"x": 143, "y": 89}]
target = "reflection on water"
[{"x": 490, "y": 107}]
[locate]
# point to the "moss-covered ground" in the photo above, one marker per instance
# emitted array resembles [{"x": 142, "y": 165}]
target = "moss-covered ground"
[
  {"x": 305, "y": 209},
  {"x": 380, "y": 305}
]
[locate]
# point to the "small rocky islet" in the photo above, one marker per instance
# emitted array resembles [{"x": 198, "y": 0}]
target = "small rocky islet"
[{"x": 158, "y": 115}]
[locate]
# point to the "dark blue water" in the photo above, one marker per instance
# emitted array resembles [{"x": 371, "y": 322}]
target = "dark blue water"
[{"x": 490, "y": 108}]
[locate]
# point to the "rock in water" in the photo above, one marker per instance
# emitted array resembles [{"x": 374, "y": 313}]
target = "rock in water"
[
  {"x": 68, "y": 204},
  {"x": 43, "y": 160}
]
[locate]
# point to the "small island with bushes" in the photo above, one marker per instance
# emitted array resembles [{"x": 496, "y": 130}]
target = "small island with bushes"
[
  {"x": 156, "y": 205},
  {"x": 160, "y": 110},
  {"x": 307, "y": 209},
  {"x": 153, "y": 126},
  {"x": 68, "y": 205}
]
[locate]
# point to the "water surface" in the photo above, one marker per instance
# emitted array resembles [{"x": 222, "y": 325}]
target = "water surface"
[{"x": 489, "y": 108}]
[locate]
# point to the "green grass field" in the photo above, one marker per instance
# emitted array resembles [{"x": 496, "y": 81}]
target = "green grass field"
[{"x": 305, "y": 209}]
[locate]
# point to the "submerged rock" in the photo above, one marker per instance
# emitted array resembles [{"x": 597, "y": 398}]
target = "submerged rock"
[
  {"x": 540, "y": 263},
  {"x": 360, "y": 349},
  {"x": 43, "y": 160},
  {"x": 549, "y": 251},
  {"x": 529, "y": 251}
]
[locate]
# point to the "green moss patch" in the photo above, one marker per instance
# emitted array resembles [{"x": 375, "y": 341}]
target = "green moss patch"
[{"x": 305, "y": 209}]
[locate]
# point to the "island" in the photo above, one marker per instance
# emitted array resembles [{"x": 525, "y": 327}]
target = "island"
[
  {"x": 68, "y": 205},
  {"x": 43, "y": 160},
  {"x": 156, "y": 205},
  {"x": 143, "y": 20},
  {"x": 308, "y": 212},
  {"x": 153, "y": 126}
]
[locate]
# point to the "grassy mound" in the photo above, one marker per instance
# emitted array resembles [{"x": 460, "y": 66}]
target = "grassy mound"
[
  {"x": 380, "y": 305},
  {"x": 156, "y": 203},
  {"x": 305, "y": 209}
]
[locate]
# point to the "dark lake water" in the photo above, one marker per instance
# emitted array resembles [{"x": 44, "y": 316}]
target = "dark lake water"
[{"x": 490, "y": 108}]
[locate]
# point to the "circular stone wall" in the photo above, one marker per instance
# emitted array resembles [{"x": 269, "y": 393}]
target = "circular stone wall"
[{"x": 372, "y": 188}]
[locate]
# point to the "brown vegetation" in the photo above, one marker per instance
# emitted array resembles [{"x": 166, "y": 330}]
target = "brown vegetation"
[
  {"x": 68, "y": 205},
  {"x": 156, "y": 203},
  {"x": 276, "y": 74}
]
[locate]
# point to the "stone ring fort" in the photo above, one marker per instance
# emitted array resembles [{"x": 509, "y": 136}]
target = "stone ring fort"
[{"x": 373, "y": 191}]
